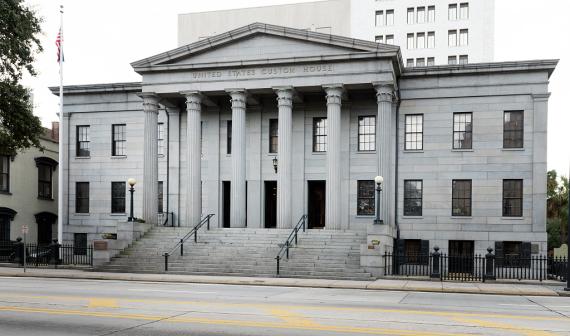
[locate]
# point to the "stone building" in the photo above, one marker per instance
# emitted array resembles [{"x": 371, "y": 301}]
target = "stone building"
[
  {"x": 263, "y": 124},
  {"x": 28, "y": 191}
]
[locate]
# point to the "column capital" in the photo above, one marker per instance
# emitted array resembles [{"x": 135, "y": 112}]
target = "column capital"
[
  {"x": 284, "y": 95},
  {"x": 541, "y": 96},
  {"x": 384, "y": 91},
  {"x": 334, "y": 93},
  {"x": 238, "y": 97},
  {"x": 192, "y": 96},
  {"x": 150, "y": 101}
]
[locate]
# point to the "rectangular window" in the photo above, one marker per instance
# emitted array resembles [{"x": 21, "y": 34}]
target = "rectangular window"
[
  {"x": 44, "y": 181},
  {"x": 4, "y": 173},
  {"x": 410, "y": 41},
  {"x": 5, "y": 228},
  {"x": 452, "y": 13},
  {"x": 82, "y": 142},
  {"x": 431, "y": 40},
  {"x": 379, "y": 18},
  {"x": 513, "y": 129},
  {"x": 464, "y": 37},
  {"x": 320, "y": 130},
  {"x": 410, "y": 62},
  {"x": 421, "y": 14},
  {"x": 229, "y": 137},
  {"x": 431, "y": 14},
  {"x": 161, "y": 142},
  {"x": 119, "y": 140},
  {"x": 421, "y": 38},
  {"x": 462, "y": 131},
  {"x": 431, "y": 61},
  {"x": 413, "y": 197},
  {"x": 512, "y": 198},
  {"x": 389, "y": 39},
  {"x": 390, "y": 17},
  {"x": 118, "y": 195},
  {"x": 464, "y": 11},
  {"x": 452, "y": 38},
  {"x": 420, "y": 62},
  {"x": 82, "y": 197},
  {"x": 365, "y": 199},
  {"x": 414, "y": 132},
  {"x": 366, "y": 133},
  {"x": 161, "y": 197},
  {"x": 463, "y": 59},
  {"x": 80, "y": 243},
  {"x": 452, "y": 60},
  {"x": 273, "y": 135},
  {"x": 410, "y": 19},
  {"x": 379, "y": 39},
  {"x": 461, "y": 198}
]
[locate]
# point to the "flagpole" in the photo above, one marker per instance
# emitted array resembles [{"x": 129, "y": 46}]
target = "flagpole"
[{"x": 60, "y": 140}]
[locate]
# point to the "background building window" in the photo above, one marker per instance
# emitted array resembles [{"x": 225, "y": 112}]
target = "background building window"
[
  {"x": 80, "y": 243},
  {"x": 452, "y": 38},
  {"x": 366, "y": 133},
  {"x": 410, "y": 41},
  {"x": 389, "y": 39},
  {"x": 82, "y": 145},
  {"x": 431, "y": 14},
  {"x": 273, "y": 135},
  {"x": 410, "y": 19},
  {"x": 119, "y": 140},
  {"x": 379, "y": 39},
  {"x": 365, "y": 199},
  {"x": 82, "y": 197},
  {"x": 118, "y": 196},
  {"x": 4, "y": 173},
  {"x": 161, "y": 142},
  {"x": 379, "y": 18},
  {"x": 421, "y": 14},
  {"x": 452, "y": 13},
  {"x": 431, "y": 61},
  {"x": 513, "y": 129},
  {"x": 413, "y": 197},
  {"x": 161, "y": 197},
  {"x": 320, "y": 130},
  {"x": 452, "y": 60},
  {"x": 431, "y": 40},
  {"x": 420, "y": 62},
  {"x": 512, "y": 198},
  {"x": 462, "y": 131},
  {"x": 461, "y": 198},
  {"x": 464, "y": 11},
  {"x": 44, "y": 181},
  {"x": 390, "y": 17},
  {"x": 229, "y": 137},
  {"x": 463, "y": 59},
  {"x": 414, "y": 132},
  {"x": 421, "y": 40},
  {"x": 464, "y": 37},
  {"x": 410, "y": 62}
]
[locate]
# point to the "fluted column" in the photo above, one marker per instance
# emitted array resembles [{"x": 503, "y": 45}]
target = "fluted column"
[
  {"x": 150, "y": 158},
  {"x": 194, "y": 169},
  {"x": 238, "y": 194},
  {"x": 285, "y": 154},
  {"x": 333, "y": 191},
  {"x": 384, "y": 97}
]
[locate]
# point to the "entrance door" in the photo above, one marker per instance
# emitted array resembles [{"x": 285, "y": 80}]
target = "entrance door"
[
  {"x": 270, "y": 204},
  {"x": 461, "y": 255},
  {"x": 226, "y": 203},
  {"x": 317, "y": 204}
]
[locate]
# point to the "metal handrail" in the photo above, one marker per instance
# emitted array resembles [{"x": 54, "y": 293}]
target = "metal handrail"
[
  {"x": 193, "y": 232},
  {"x": 302, "y": 223},
  {"x": 167, "y": 216}
]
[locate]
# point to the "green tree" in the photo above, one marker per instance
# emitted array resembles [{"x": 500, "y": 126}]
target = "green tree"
[
  {"x": 19, "y": 43},
  {"x": 557, "y": 209}
]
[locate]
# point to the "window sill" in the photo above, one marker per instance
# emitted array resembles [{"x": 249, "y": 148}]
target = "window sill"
[
  {"x": 5, "y": 193},
  {"x": 83, "y": 157},
  {"x": 319, "y": 153},
  {"x": 512, "y": 149},
  {"x": 412, "y": 217},
  {"x": 118, "y": 157},
  {"x": 272, "y": 154},
  {"x": 365, "y": 216},
  {"x": 45, "y": 198},
  {"x": 461, "y": 217},
  {"x": 365, "y": 152},
  {"x": 462, "y": 150},
  {"x": 413, "y": 150},
  {"x": 81, "y": 214},
  {"x": 117, "y": 214},
  {"x": 512, "y": 218}
]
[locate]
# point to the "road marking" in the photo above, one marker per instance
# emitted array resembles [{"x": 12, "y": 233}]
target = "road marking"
[
  {"x": 505, "y": 326},
  {"x": 292, "y": 318},
  {"x": 168, "y": 291},
  {"x": 102, "y": 303},
  {"x": 518, "y": 305},
  {"x": 240, "y": 323}
]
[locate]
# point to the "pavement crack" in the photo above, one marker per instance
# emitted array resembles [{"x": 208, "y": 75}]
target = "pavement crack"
[
  {"x": 548, "y": 308},
  {"x": 404, "y": 298},
  {"x": 145, "y": 324}
]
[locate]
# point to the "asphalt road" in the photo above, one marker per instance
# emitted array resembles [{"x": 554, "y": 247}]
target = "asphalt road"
[{"x": 35, "y": 306}]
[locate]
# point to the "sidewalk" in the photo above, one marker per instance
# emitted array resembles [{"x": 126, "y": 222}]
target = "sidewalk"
[{"x": 537, "y": 289}]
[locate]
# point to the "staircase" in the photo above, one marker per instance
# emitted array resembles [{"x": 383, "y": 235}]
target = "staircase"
[{"x": 246, "y": 252}]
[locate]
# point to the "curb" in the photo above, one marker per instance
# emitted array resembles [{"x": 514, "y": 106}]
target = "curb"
[{"x": 436, "y": 287}]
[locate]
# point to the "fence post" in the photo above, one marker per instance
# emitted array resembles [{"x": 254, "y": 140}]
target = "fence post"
[
  {"x": 435, "y": 272},
  {"x": 195, "y": 235},
  {"x": 304, "y": 223},
  {"x": 277, "y": 265},
  {"x": 296, "y": 229},
  {"x": 208, "y": 223},
  {"x": 287, "y": 249},
  {"x": 489, "y": 265},
  {"x": 166, "y": 262},
  {"x": 181, "y": 247}
]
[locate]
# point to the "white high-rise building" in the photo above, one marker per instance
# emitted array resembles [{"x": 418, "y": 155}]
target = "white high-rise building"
[{"x": 428, "y": 32}]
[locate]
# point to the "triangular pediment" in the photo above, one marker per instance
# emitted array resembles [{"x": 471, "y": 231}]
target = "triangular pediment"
[{"x": 260, "y": 42}]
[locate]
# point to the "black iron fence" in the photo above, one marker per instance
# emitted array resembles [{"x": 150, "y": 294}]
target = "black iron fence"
[
  {"x": 37, "y": 255},
  {"x": 442, "y": 266}
]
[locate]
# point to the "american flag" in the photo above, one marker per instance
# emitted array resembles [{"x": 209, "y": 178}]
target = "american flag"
[{"x": 59, "y": 44}]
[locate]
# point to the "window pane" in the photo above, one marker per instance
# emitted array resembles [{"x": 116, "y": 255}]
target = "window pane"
[
  {"x": 464, "y": 11},
  {"x": 379, "y": 18},
  {"x": 319, "y": 134},
  {"x": 389, "y": 39},
  {"x": 413, "y": 194},
  {"x": 452, "y": 37},
  {"x": 512, "y": 198},
  {"x": 82, "y": 197},
  {"x": 464, "y": 37},
  {"x": 410, "y": 62},
  {"x": 431, "y": 14},
  {"x": 229, "y": 137},
  {"x": 118, "y": 195},
  {"x": 513, "y": 129},
  {"x": 273, "y": 135},
  {"x": 461, "y": 198},
  {"x": 367, "y": 133},
  {"x": 452, "y": 60},
  {"x": 452, "y": 15},
  {"x": 82, "y": 141},
  {"x": 161, "y": 137},
  {"x": 390, "y": 17},
  {"x": 160, "y": 197},
  {"x": 410, "y": 41},
  {"x": 430, "y": 61},
  {"x": 421, "y": 41},
  {"x": 420, "y": 62},
  {"x": 462, "y": 131},
  {"x": 414, "y": 132},
  {"x": 379, "y": 39},
  {"x": 365, "y": 198},
  {"x": 119, "y": 140},
  {"x": 410, "y": 16},
  {"x": 421, "y": 14},
  {"x": 4, "y": 173}
]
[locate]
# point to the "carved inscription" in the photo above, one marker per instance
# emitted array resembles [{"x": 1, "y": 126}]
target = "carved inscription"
[{"x": 264, "y": 72}]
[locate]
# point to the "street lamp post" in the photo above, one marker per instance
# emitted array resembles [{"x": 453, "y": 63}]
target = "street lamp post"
[
  {"x": 378, "y": 180},
  {"x": 132, "y": 183}
]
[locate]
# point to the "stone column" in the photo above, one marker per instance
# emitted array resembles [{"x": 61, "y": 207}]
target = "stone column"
[
  {"x": 150, "y": 157},
  {"x": 539, "y": 166},
  {"x": 174, "y": 162},
  {"x": 384, "y": 96},
  {"x": 285, "y": 154},
  {"x": 238, "y": 194},
  {"x": 194, "y": 157},
  {"x": 333, "y": 191}
]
